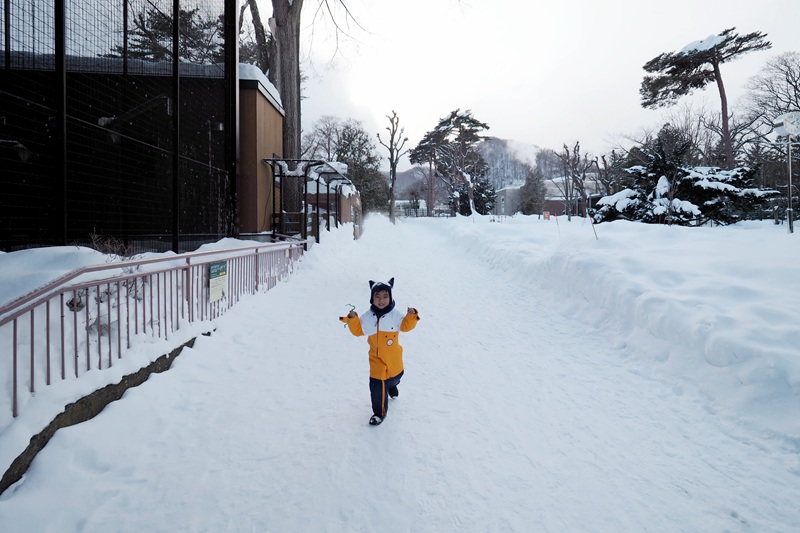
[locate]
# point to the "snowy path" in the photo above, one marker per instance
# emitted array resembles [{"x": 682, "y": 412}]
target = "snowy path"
[{"x": 510, "y": 418}]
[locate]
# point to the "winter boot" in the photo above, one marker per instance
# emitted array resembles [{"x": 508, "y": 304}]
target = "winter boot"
[
  {"x": 375, "y": 420},
  {"x": 393, "y": 392}
]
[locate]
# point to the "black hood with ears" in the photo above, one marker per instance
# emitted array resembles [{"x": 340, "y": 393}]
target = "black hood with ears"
[{"x": 376, "y": 286}]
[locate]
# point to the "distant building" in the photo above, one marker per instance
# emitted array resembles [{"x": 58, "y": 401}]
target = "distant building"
[{"x": 508, "y": 201}]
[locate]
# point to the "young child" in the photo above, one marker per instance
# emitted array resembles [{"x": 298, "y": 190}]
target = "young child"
[{"x": 382, "y": 325}]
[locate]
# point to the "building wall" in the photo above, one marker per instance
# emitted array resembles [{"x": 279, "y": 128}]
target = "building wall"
[
  {"x": 351, "y": 208},
  {"x": 507, "y": 201},
  {"x": 555, "y": 207},
  {"x": 260, "y": 137}
]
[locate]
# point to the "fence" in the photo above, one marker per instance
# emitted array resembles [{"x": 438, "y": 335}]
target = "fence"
[
  {"x": 117, "y": 117},
  {"x": 89, "y": 318},
  {"x": 309, "y": 196}
]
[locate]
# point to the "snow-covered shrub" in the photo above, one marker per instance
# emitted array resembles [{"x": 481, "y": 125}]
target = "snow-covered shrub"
[{"x": 674, "y": 194}]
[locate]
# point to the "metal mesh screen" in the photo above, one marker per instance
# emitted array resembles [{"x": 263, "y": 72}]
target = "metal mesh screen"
[{"x": 102, "y": 133}]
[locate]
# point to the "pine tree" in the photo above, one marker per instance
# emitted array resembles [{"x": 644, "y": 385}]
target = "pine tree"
[
  {"x": 677, "y": 74},
  {"x": 424, "y": 154},
  {"x": 533, "y": 193},
  {"x": 450, "y": 150},
  {"x": 201, "y": 40},
  {"x": 483, "y": 198}
]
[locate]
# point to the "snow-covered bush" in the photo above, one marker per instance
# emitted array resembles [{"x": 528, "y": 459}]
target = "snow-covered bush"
[{"x": 664, "y": 192}]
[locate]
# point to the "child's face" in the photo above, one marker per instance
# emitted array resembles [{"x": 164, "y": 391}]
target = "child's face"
[{"x": 381, "y": 299}]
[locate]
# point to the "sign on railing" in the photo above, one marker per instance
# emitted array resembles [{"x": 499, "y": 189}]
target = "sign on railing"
[{"x": 217, "y": 280}]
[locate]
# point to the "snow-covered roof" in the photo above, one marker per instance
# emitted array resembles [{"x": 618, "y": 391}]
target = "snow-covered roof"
[{"x": 251, "y": 73}]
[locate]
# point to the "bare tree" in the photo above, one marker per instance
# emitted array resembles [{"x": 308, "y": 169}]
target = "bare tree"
[
  {"x": 257, "y": 45},
  {"x": 322, "y": 141},
  {"x": 395, "y": 145},
  {"x": 346, "y": 141},
  {"x": 775, "y": 89},
  {"x": 610, "y": 169},
  {"x": 702, "y": 128},
  {"x": 574, "y": 180},
  {"x": 285, "y": 28}
]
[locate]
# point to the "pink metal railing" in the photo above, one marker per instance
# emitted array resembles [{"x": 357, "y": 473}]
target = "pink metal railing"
[{"x": 83, "y": 325}]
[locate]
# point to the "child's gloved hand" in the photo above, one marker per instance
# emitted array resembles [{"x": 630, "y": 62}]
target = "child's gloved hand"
[
  {"x": 350, "y": 315},
  {"x": 412, "y": 311}
]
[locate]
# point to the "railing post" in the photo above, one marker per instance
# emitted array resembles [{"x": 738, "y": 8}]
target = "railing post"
[
  {"x": 86, "y": 327},
  {"x": 14, "y": 406},
  {"x": 158, "y": 304},
  {"x": 97, "y": 322},
  {"x": 189, "y": 292},
  {"x": 152, "y": 324},
  {"x": 75, "y": 333},
  {"x": 63, "y": 346},
  {"x": 47, "y": 338},
  {"x": 33, "y": 385},
  {"x": 119, "y": 321},
  {"x": 108, "y": 312}
]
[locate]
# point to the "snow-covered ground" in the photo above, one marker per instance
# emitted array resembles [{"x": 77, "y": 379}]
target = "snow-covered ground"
[{"x": 647, "y": 380}]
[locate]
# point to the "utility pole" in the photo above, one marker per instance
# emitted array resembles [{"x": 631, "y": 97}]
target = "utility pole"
[{"x": 787, "y": 125}]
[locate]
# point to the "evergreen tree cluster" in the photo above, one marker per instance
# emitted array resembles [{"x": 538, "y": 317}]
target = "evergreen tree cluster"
[
  {"x": 483, "y": 195},
  {"x": 533, "y": 193},
  {"x": 201, "y": 38},
  {"x": 451, "y": 150},
  {"x": 667, "y": 191}
]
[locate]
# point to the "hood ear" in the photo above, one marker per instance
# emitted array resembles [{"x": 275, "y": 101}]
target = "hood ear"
[
  {"x": 391, "y": 283},
  {"x": 371, "y": 283}
]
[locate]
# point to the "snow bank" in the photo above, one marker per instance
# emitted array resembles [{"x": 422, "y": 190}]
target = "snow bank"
[{"x": 720, "y": 303}]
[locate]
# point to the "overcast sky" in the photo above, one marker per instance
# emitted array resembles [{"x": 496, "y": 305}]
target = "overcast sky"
[{"x": 545, "y": 72}]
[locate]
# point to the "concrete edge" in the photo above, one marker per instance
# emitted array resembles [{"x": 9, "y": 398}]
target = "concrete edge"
[{"x": 85, "y": 409}]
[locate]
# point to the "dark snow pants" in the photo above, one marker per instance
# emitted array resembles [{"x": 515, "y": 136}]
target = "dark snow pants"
[{"x": 379, "y": 390}]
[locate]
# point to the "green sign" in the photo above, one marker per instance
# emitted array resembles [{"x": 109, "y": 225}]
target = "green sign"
[{"x": 217, "y": 280}]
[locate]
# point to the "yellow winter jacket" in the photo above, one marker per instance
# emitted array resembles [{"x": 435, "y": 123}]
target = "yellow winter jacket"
[{"x": 385, "y": 352}]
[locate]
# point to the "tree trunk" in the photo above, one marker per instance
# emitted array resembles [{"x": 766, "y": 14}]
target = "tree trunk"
[
  {"x": 431, "y": 189},
  {"x": 471, "y": 195},
  {"x": 286, "y": 32},
  {"x": 394, "y": 145},
  {"x": 286, "y": 16},
  {"x": 727, "y": 143},
  {"x": 392, "y": 180},
  {"x": 262, "y": 41}
]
